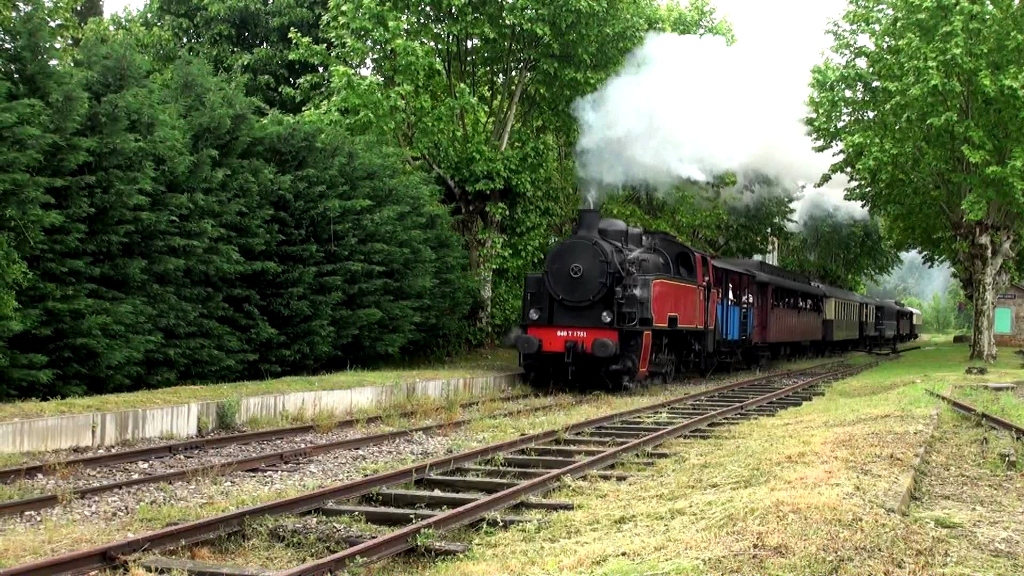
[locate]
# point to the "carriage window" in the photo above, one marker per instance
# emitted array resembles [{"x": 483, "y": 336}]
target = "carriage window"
[{"x": 785, "y": 298}]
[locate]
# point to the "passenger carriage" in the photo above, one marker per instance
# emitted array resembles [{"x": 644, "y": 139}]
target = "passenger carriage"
[
  {"x": 843, "y": 311},
  {"x": 788, "y": 309}
]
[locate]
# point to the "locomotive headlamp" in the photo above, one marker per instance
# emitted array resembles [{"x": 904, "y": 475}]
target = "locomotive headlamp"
[
  {"x": 534, "y": 313},
  {"x": 607, "y": 316}
]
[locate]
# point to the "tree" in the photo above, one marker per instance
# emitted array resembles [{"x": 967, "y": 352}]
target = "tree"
[
  {"x": 922, "y": 99},
  {"x": 838, "y": 250},
  {"x": 40, "y": 109},
  {"x": 248, "y": 39},
  {"x": 479, "y": 93},
  {"x": 157, "y": 229}
]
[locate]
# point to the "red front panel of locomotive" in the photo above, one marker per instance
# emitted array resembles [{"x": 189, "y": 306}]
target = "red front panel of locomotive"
[
  {"x": 553, "y": 338},
  {"x": 683, "y": 301}
]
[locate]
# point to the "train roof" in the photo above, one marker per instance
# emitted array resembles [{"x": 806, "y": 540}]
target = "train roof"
[
  {"x": 833, "y": 292},
  {"x": 766, "y": 273},
  {"x": 727, "y": 265},
  {"x": 784, "y": 283},
  {"x": 767, "y": 269},
  {"x": 770, "y": 274}
]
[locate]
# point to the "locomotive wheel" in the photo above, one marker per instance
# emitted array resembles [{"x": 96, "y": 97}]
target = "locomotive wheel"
[{"x": 669, "y": 375}]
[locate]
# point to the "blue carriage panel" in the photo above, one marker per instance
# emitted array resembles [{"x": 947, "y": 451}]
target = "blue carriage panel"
[{"x": 729, "y": 321}]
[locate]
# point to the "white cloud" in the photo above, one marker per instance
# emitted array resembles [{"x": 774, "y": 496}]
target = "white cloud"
[{"x": 117, "y": 6}]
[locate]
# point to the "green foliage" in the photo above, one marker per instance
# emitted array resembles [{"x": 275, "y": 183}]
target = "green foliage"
[
  {"x": 157, "y": 230},
  {"x": 39, "y": 109},
  {"x": 227, "y": 413},
  {"x": 722, "y": 223},
  {"x": 838, "y": 250},
  {"x": 479, "y": 95},
  {"x": 697, "y": 17},
  {"x": 248, "y": 39},
  {"x": 923, "y": 99}
]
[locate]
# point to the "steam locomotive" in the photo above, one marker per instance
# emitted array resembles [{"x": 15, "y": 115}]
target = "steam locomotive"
[{"x": 617, "y": 306}]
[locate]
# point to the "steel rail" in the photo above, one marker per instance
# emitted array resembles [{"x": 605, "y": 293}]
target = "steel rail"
[
  {"x": 12, "y": 507},
  {"x": 403, "y": 539},
  {"x": 105, "y": 555},
  {"x": 989, "y": 419},
  {"x": 174, "y": 448}
]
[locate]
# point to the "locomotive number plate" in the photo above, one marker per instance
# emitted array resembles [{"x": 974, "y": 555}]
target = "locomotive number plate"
[{"x": 571, "y": 333}]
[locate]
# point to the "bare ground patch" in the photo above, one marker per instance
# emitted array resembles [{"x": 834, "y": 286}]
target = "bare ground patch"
[{"x": 971, "y": 501}]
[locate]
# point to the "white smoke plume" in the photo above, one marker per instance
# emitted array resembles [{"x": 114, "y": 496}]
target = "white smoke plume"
[
  {"x": 690, "y": 108},
  {"x": 828, "y": 199}
]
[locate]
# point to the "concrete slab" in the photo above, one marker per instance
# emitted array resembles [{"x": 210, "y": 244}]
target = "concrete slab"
[
  {"x": 994, "y": 386},
  {"x": 40, "y": 434},
  {"x": 186, "y": 420}
]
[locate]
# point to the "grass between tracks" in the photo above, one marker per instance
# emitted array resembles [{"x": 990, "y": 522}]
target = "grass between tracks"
[
  {"x": 478, "y": 363},
  {"x": 60, "y": 533},
  {"x": 801, "y": 493}
]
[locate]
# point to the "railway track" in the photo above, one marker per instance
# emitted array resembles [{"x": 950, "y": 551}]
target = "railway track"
[
  {"x": 248, "y": 463},
  {"x": 461, "y": 489},
  {"x": 881, "y": 352},
  {"x": 988, "y": 419}
]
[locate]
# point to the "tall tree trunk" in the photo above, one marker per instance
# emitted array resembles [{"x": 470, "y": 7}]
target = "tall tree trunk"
[
  {"x": 988, "y": 251},
  {"x": 478, "y": 231},
  {"x": 486, "y": 280},
  {"x": 510, "y": 115}
]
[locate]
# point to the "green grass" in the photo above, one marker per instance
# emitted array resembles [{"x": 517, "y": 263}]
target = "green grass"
[
  {"x": 479, "y": 363},
  {"x": 1008, "y": 405},
  {"x": 803, "y": 493}
]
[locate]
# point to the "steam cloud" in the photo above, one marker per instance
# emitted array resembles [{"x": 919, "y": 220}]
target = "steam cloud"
[
  {"x": 915, "y": 278},
  {"x": 690, "y": 108}
]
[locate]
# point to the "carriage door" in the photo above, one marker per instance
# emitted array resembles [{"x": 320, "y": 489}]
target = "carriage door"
[
  {"x": 762, "y": 304},
  {"x": 746, "y": 308}
]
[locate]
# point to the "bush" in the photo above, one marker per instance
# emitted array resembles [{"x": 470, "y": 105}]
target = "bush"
[{"x": 160, "y": 231}]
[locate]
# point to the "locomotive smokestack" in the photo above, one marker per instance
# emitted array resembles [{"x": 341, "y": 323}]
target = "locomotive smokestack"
[{"x": 588, "y": 221}]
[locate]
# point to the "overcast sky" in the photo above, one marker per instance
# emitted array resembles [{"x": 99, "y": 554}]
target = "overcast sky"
[{"x": 794, "y": 29}]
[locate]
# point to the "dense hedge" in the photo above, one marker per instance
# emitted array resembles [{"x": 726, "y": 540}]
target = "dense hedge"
[{"x": 156, "y": 230}]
